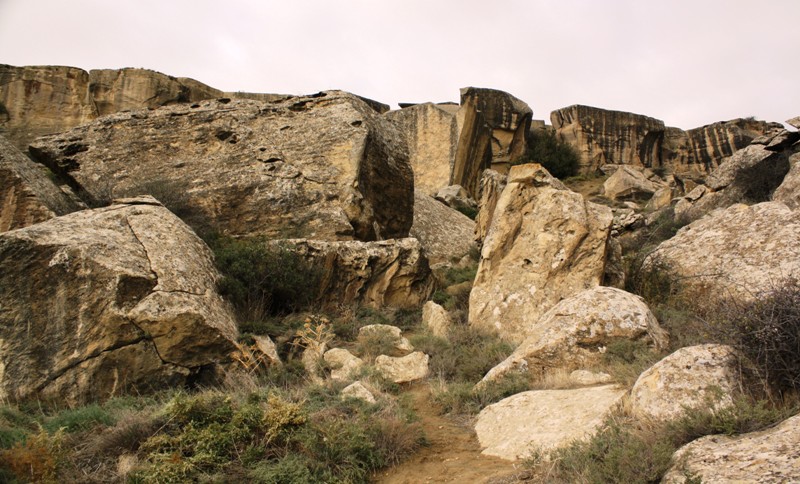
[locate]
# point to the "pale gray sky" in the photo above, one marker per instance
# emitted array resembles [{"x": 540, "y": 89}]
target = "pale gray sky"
[{"x": 687, "y": 62}]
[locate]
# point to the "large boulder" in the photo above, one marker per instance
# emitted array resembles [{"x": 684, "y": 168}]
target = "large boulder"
[
  {"x": 27, "y": 195},
  {"x": 712, "y": 144},
  {"x": 444, "y": 233},
  {"x": 326, "y": 166},
  {"x": 575, "y": 332},
  {"x": 772, "y": 455},
  {"x": 543, "y": 420},
  {"x": 741, "y": 250},
  {"x": 545, "y": 243},
  {"x": 629, "y": 184},
  {"x": 492, "y": 185},
  {"x": 789, "y": 190},
  {"x": 403, "y": 369},
  {"x": 602, "y": 136},
  {"x": 692, "y": 378},
  {"x": 108, "y": 301},
  {"x": 376, "y": 274}
]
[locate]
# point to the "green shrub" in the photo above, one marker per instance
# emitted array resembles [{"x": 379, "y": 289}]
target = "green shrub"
[
  {"x": 81, "y": 418},
  {"x": 466, "y": 398},
  {"x": 263, "y": 279},
  {"x": 559, "y": 158}
]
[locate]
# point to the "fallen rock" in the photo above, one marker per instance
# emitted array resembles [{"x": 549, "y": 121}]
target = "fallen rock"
[
  {"x": 741, "y": 250},
  {"x": 268, "y": 349},
  {"x": 435, "y": 318},
  {"x": 325, "y": 166},
  {"x": 387, "y": 334},
  {"x": 692, "y": 378},
  {"x": 403, "y": 369},
  {"x": 312, "y": 359},
  {"x": 455, "y": 197},
  {"x": 574, "y": 333},
  {"x": 386, "y": 273},
  {"x": 444, "y": 233},
  {"x": 629, "y": 184},
  {"x": 27, "y": 195},
  {"x": 545, "y": 243},
  {"x": 772, "y": 455},
  {"x": 108, "y": 301},
  {"x": 588, "y": 378},
  {"x": 543, "y": 420},
  {"x": 343, "y": 364},
  {"x": 358, "y": 391},
  {"x": 789, "y": 190},
  {"x": 794, "y": 122},
  {"x": 662, "y": 198},
  {"x": 492, "y": 185}
]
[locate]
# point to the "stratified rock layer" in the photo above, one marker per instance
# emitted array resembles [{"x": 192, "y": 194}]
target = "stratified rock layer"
[
  {"x": 325, "y": 166},
  {"x": 545, "y": 243},
  {"x": 107, "y": 301},
  {"x": 27, "y": 195}
]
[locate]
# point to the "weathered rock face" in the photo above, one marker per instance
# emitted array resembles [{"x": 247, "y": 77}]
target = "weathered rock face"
[
  {"x": 386, "y": 273},
  {"x": 603, "y": 136},
  {"x": 789, "y": 190},
  {"x": 343, "y": 364},
  {"x": 629, "y": 184},
  {"x": 574, "y": 333},
  {"x": 492, "y": 185},
  {"x": 508, "y": 119},
  {"x": 107, "y": 301},
  {"x": 445, "y": 234},
  {"x": 115, "y": 90},
  {"x": 38, "y": 100},
  {"x": 742, "y": 249},
  {"x": 794, "y": 122},
  {"x": 544, "y": 419},
  {"x": 694, "y": 377},
  {"x": 325, "y": 166},
  {"x": 27, "y": 195},
  {"x": 545, "y": 243},
  {"x": 435, "y": 318},
  {"x": 772, "y": 455},
  {"x": 432, "y": 133},
  {"x": 710, "y": 145}
]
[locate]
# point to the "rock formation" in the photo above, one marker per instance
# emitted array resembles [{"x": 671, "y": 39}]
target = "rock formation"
[
  {"x": 27, "y": 195},
  {"x": 629, "y": 183},
  {"x": 703, "y": 377},
  {"x": 325, "y": 166},
  {"x": 772, "y": 455},
  {"x": 742, "y": 250},
  {"x": 788, "y": 192},
  {"x": 385, "y": 273},
  {"x": 403, "y": 369},
  {"x": 543, "y": 420},
  {"x": 108, "y": 301},
  {"x": 492, "y": 185},
  {"x": 344, "y": 365},
  {"x": 436, "y": 319},
  {"x": 445, "y": 234},
  {"x": 545, "y": 243},
  {"x": 575, "y": 332}
]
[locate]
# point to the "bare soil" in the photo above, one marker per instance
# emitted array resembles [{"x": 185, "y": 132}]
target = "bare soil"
[{"x": 452, "y": 454}]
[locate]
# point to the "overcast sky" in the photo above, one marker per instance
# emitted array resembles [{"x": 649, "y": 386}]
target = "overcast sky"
[{"x": 687, "y": 62}]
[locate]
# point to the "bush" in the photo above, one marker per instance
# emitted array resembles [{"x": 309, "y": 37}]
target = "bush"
[
  {"x": 468, "y": 399},
  {"x": 559, "y": 158},
  {"x": 263, "y": 279}
]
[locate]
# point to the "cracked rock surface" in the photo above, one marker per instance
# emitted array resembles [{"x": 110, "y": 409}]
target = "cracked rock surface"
[{"x": 107, "y": 301}]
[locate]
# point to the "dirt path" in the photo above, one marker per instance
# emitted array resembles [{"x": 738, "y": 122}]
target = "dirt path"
[{"x": 453, "y": 453}]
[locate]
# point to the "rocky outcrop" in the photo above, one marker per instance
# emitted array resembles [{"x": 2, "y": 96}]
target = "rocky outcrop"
[
  {"x": 508, "y": 119},
  {"x": 445, "y": 234},
  {"x": 108, "y": 301},
  {"x": 492, "y": 185},
  {"x": 628, "y": 183},
  {"x": 772, "y": 455},
  {"x": 403, "y": 369},
  {"x": 39, "y": 100},
  {"x": 376, "y": 274},
  {"x": 789, "y": 190},
  {"x": 27, "y": 195},
  {"x": 436, "y": 319},
  {"x": 575, "y": 332},
  {"x": 325, "y": 166},
  {"x": 701, "y": 377},
  {"x": 743, "y": 250},
  {"x": 543, "y": 420},
  {"x": 710, "y": 145},
  {"x": 795, "y": 122},
  {"x": 602, "y": 136},
  {"x": 432, "y": 133},
  {"x": 545, "y": 243}
]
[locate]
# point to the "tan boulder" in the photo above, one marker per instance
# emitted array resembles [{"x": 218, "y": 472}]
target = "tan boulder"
[
  {"x": 694, "y": 377},
  {"x": 358, "y": 391},
  {"x": 588, "y": 378},
  {"x": 795, "y": 121},
  {"x": 662, "y": 198},
  {"x": 108, "y": 301},
  {"x": 629, "y": 183},
  {"x": 387, "y": 334},
  {"x": 403, "y": 369},
  {"x": 27, "y": 195},
  {"x": 492, "y": 185},
  {"x": 545, "y": 243},
  {"x": 312, "y": 359},
  {"x": 574, "y": 333},
  {"x": 741, "y": 250},
  {"x": 344, "y": 365},
  {"x": 543, "y": 420},
  {"x": 789, "y": 190},
  {"x": 376, "y": 274},
  {"x": 771, "y": 455},
  {"x": 435, "y": 318},
  {"x": 326, "y": 166},
  {"x": 444, "y": 233}
]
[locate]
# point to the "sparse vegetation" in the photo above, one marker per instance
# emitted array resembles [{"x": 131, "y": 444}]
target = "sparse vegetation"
[{"x": 558, "y": 157}]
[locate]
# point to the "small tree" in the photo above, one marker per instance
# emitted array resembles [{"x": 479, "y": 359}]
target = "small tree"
[{"x": 559, "y": 158}]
